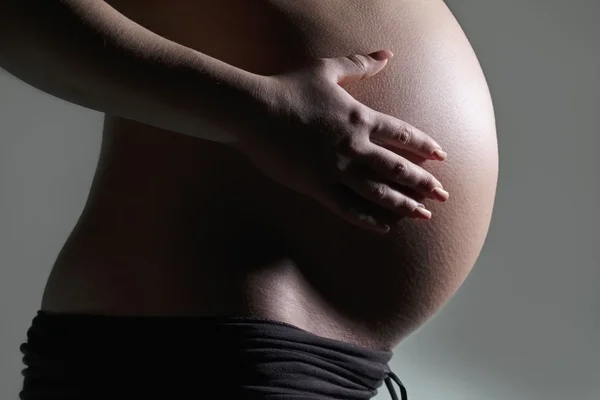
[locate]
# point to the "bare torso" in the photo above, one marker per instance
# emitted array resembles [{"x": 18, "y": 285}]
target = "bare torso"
[{"x": 180, "y": 226}]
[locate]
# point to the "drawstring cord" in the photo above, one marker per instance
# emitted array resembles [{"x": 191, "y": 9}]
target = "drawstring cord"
[{"x": 390, "y": 376}]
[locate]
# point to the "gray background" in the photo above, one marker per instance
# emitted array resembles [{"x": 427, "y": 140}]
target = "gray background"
[{"x": 525, "y": 325}]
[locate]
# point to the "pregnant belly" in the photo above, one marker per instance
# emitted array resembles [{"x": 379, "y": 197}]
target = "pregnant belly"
[{"x": 384, "y": 285}]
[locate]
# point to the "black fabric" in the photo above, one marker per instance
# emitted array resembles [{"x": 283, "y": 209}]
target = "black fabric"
[{"x": 71, "y": 357}]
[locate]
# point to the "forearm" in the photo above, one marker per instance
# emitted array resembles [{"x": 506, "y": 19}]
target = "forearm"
[{"x": 87, "y": 53}]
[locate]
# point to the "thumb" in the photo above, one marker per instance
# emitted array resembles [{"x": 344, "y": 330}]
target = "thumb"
[{"x": 358, "y": 66}]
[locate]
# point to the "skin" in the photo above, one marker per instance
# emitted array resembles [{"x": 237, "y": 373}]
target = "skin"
[{"x": 256, "y": 161}]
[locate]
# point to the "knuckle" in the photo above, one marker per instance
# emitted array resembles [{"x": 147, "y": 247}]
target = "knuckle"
[
  {"x": 400, "y": 170},
  {"x": 359, "y": 61},
  {"x": 427, "y": 182},
  {"x": 322, "y": 64},
  {"x": 351, "y": 212},
  {"x": 359, "y": 117},
  {"x": 378, "y": 127},
  {"x": 404, "y": 134},
  {"x": 349, "y": 147},
  {"x": 342, "y": 164},
  {"x": 403, "y": 203},
  {"x": 323, "y": 67},
  {"x": 361, "y": 216},
  {"x": 379, "y": 191}
]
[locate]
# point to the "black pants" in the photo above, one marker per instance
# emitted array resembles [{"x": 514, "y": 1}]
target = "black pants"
[{"x": 70, "y": 357}]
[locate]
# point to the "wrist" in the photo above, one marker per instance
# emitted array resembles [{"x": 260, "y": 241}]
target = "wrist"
[
  {"x": 210, "y": 99},
  {"x": 245, "y": 104}
]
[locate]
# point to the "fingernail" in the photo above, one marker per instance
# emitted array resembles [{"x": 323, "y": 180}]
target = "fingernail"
[
  {"x": 440, "y": 194},
  {"x": 380, "y": 55},
  {"x": 383, "y": 228},
  {"x": 378, "y": 226},
  {"x": 422, "y": 212},
  {"x": 440, "y": 154}
]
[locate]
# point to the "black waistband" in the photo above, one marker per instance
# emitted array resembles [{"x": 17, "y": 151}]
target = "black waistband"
[{"x": 83, "y": 356}]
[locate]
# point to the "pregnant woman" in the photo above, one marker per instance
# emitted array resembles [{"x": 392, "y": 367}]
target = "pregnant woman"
[{"x": 286, "y": 189}]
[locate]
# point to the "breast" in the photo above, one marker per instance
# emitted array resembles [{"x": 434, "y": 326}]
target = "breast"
[{"x": 434, "y": 82}]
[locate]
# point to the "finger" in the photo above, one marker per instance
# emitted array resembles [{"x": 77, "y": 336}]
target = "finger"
[
  {"x": 385, "y": 196},
  {"x": 346, "y": 205},
  {"x": 398, "y": 169},
  {"x": 357, "y": 66},
  {"x": 398, "y": 134}
]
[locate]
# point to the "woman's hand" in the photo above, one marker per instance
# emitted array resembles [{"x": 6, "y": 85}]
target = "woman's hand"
[{"x": 316, "y": 139}]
